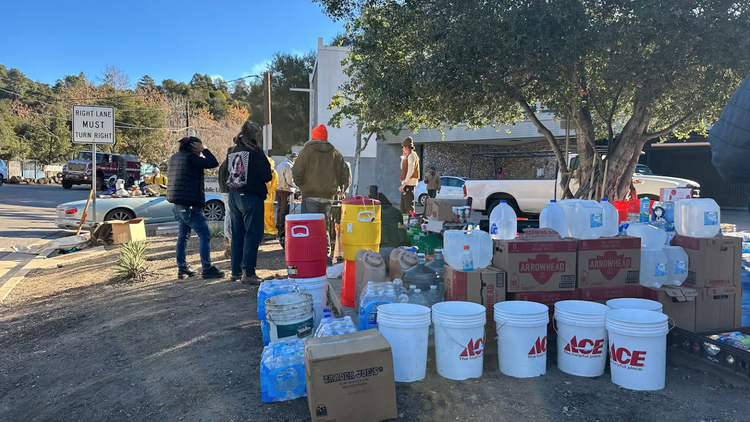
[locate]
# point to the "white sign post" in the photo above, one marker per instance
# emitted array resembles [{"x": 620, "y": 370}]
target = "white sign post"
[{"x": 93, "y": 125}]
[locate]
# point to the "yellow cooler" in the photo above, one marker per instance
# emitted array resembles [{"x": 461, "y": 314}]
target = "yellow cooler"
[{"x": 360, "y": 225}]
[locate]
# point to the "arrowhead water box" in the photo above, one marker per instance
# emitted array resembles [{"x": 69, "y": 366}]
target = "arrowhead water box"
[
  {"x": 538, "y": 261},
  {"x": 609, "y": 262}
]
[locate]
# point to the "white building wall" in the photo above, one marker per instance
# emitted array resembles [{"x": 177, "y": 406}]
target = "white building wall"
[{"x": 326, "y": 80}]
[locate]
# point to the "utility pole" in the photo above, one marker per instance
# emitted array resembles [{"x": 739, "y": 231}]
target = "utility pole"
[
  {"x": 267, "y": 133},
  {"x": 187, "y": 118}
]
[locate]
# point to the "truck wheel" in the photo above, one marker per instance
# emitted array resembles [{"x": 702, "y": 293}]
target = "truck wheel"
[
  {"x": 67, "y": 184},
  {"x": 99, "y": 183}
]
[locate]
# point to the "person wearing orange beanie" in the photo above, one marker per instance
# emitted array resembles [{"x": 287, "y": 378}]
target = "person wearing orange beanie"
[{"x": 320, "y": 172}]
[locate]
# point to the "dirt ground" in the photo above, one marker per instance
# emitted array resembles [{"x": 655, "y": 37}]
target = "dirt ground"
[{"x": 78, "y": 345}]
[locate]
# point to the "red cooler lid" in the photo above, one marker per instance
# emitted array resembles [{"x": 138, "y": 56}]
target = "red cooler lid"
[
  {"x": 360, "y": 200},
  {"x": 304, "y": 217}
]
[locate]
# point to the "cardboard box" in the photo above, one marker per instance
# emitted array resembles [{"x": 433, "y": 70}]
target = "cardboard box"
[
  {"x": 350, "y": 378},
  {"x": 442, "y": 209},
  {"x": 674, "y": 194},
  {"x": 128, "y": 231},
  {"x": 713, "y": 261},
  {"x": 484, "y": 286},
  {"x": 546, "y": 298},
  {"x": 609, "y": 262},
  {"x": 678, "y": 303},
  {"x": 718, "y": 308},
  {"x": 537, "y": 262},
  {"x": 603, "y": 294}
]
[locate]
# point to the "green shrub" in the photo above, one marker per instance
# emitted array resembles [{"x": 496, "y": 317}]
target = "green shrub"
[{"x": 131, "y": 261}]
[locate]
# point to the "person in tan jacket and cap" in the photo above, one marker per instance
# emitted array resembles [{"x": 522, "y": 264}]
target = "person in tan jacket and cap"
[{"x": 409, "y": 175}]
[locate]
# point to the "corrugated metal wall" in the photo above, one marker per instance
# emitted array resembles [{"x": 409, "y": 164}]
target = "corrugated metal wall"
[{"x": 694, "y": 162}]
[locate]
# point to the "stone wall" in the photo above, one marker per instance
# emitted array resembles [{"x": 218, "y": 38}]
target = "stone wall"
[{"x": 453, "y": 159}]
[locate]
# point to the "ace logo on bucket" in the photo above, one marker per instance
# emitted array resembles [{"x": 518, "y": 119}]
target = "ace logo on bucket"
[
  {"x": 625, "y": 358},
  {"x": 539, "y": 349},
  {"x": 541, "y": 268},
  {"x": 585, "y": 347},
  {"x": 610, "y": 264},
  {"x": 473, "y": 350}
]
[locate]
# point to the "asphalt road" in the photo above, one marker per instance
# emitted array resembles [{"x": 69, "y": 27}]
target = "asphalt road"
[{"x": 27, "y": 212}]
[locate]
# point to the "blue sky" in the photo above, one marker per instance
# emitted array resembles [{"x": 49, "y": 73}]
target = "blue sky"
[{"x": 162, "y": 38}]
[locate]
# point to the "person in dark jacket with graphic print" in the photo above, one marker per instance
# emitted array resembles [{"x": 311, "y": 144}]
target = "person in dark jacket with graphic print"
[
  {"x": 186, "y": 193},
  {"x": 248, "y": 171}
]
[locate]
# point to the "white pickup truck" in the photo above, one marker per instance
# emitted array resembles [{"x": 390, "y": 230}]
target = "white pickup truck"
[{"x": 529, "y": 197}]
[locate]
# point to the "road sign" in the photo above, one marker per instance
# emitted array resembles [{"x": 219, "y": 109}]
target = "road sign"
[{"x": 93, "y": 125}]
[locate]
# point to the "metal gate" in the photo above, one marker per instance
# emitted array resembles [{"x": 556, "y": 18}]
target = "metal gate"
[
  {"x": 694, "y": 163},
  {"x": 31, "y": 169}
]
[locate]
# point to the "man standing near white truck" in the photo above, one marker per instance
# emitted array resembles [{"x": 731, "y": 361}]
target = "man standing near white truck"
[{"x": 409, "y": 175}]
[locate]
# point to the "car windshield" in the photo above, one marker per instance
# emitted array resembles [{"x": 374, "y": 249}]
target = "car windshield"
[
  {"x": 86, "y": 156},
  {"x": 643, "y": 169}
]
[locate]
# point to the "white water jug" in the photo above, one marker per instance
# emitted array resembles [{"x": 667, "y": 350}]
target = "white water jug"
[
  {"x": 503, "y": 222},
  {"x": 479, "y": 243},
  {"x": 652, "y": 238},
  {"x": 569, "y": 206},
  {"x": 677, "y": 269},
  {"x": 697, "y": 217},
  {"x": 553, "y": 217},
  {"x": 589, "y": 220},
  {"x": 611, "y": 225},
  {"x": 654, "y": 268}
]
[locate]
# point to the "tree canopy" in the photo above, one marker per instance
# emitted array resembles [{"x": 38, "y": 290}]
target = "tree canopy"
[{"x": 624, "y": 71}]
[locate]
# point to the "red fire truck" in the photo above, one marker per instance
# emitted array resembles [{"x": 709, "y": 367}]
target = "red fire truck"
[{"x": 78, "y": 171}]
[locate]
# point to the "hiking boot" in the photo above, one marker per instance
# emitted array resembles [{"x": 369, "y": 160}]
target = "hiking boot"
[
  {"x": 252, "y": 280},
  {"x": 212, "y": 272},
  {"x": 235, "y": 277},
  {"x": 186, "y": 272}
]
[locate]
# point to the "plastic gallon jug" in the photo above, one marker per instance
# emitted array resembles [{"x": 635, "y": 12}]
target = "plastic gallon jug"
[
  {"x": 438, "y": 265},
  {"x": 697, "y": 217},
  {"x": 611, "y": 224},
  {"x": 654, "y": 264},
  {"x": 420, "y": 276},
  {"x": 503, "y": 222},
  {"x": 401, "y": 260},
  {"x": 553, "y": 217},
  {"x": 370, "y": 266},
  {"x": 589, "y": 220},
  {"x": 652, "y": 238},
  {"x": 479, "y": 242},
  {"x": 569, "y": 206},
  {"x": 677, "y": 270}
]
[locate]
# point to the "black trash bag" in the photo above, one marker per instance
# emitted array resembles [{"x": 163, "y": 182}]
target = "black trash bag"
[{"x": 730, "y": 137}]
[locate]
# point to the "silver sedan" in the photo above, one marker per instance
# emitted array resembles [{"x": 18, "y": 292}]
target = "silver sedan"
[{"x": 156, "y": 209}]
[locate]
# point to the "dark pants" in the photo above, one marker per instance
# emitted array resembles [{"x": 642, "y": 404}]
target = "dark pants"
[
  {"x": 247, "y": 231},
  {"x": 407, "y": 200},
  {"x": 311, "y": 206},
  {"x": 431, "y": 193},
  {"x": 282, "y": 198},
  {"x": 192, "y": 218}
]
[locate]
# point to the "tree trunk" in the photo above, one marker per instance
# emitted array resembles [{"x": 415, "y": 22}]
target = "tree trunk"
[{"x": 355, "y": 167}]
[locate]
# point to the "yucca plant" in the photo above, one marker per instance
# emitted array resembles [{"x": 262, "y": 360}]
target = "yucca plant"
[
  {"x": 131, "y": 262},
  {"x": 216, "y": 230}
]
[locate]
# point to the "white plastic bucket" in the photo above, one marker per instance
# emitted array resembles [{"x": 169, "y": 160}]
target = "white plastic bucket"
[
  {"x": 522, "y": 338},
  {"x": 637, "y": 348},
  {"x": 459, "y": 339},
  {"x": 318, "y": 288},
  {"x": 632, "y": 303},
  {"x": 406, "y": 327},
  {"x": 581, "y": 337},
  {"x": 290, "y": 316}
]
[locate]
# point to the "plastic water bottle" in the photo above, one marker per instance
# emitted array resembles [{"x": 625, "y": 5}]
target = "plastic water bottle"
[
  {"x": 645, "y": 211},
  {"x": 677, "y": 270},
  {"x": 503, "y": 222},
  {"x": 419, "y": 298},
  {"x": 467, "y": 259},
  {"x": 433, "y": 296},
  {"x": 610, "y": 227},
  {"x": 654, "y": 265},
  {"x": 553, "y": 217},
  {"x": 652, "y": 238},
  {"x": 282, "y": 371}
]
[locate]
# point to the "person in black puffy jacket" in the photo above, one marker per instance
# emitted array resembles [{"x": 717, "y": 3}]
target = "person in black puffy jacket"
[
  {"x": 186, "y": 193},
  {"x": 247, "y": 172}
]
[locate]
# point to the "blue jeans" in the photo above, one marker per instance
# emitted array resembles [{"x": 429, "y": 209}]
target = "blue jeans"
[
  {"x": 192, "y": 218},
  {"x": 247, "y": 231}
]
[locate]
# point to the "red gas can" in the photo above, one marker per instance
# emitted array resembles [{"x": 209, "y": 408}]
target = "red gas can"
[
  {"x": 306, "y": 245},
  {"x": 348, "y": 283}
]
